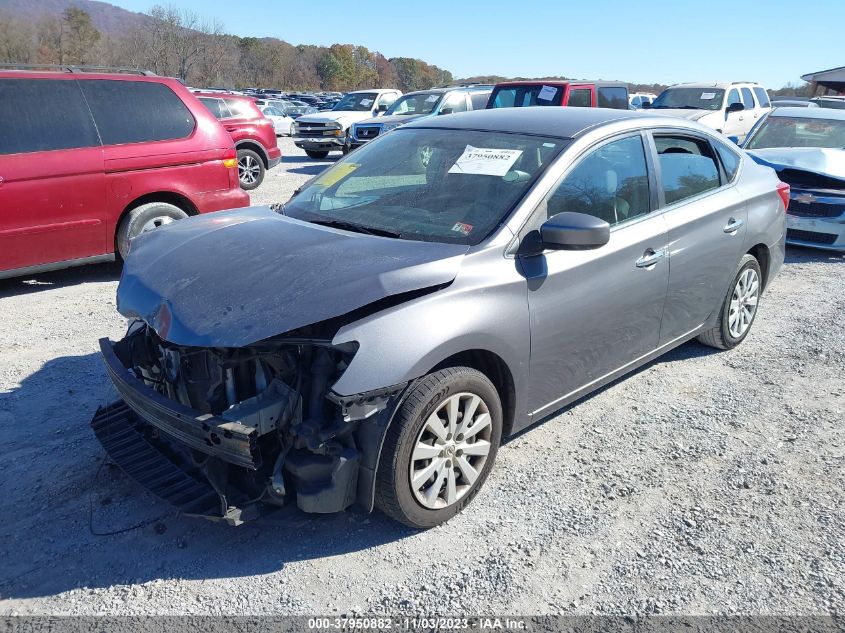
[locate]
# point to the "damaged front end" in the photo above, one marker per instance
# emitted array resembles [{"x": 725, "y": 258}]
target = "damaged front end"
[{"x": 227, "y": 433}]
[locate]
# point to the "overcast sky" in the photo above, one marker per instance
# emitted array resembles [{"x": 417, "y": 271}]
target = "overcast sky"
[{"x": 771, "y": 42}]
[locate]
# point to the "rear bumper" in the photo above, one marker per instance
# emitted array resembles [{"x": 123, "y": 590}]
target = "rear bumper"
[
  {"x": 221, "y": 200},
  {"x": 229, "y": 441}
]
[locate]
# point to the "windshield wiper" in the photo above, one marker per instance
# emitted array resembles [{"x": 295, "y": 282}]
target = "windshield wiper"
[{"x": 356, "y": 228}]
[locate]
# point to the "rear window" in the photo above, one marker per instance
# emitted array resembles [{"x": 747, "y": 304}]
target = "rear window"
[
  {"x": 216, "y": 107},
  {"x": 762, "y": 97},
  {"x": 42, "y": 115},
  {"x": 523, "y": 96},
  {"x": 136, "y": 111},
  {"x": 613, "y": 97}
]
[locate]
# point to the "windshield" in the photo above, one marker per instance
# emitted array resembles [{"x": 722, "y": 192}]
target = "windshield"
[
  {"x": 691, "y": 98},
  {"x": 439, "y": 185},
  {"x": 422, "y": 103},
  {"x": 521, "y": 96},
  {"x": 787, "y": 131},
  {"x": 357, "y": 102}
]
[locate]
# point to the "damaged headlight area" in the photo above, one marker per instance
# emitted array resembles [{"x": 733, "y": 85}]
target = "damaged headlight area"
[{"x": 227, "y": 432}]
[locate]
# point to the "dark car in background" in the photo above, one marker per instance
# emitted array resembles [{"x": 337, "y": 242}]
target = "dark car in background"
[
  {"x": 806, "y": 147},
  {"x": 416, "y": 105},
  {"x": 253, "y": 134},
  {"x": 580, "y": 94},
  {"x": 88, "y": 161}
]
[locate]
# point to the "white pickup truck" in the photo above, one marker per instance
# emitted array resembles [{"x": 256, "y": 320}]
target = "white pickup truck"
[{"x": 323, "y": 132}]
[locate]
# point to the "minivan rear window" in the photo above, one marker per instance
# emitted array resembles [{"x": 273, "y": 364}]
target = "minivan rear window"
[
  {"x": 38, "y": 115},
  {"x": 522, "y": 96},
  {"x": 136, "y": 111}
]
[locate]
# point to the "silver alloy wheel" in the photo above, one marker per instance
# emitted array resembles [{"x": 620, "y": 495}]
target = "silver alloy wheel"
[
  {"x": 154, "y": 223},
  {"x": 248, "y": 169},
  {"x": 744, "y": 302},
  {"x": 451, "y": 450}
]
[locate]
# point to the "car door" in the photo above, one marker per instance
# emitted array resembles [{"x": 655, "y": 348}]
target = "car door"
[
  {"x": 595, "y": 311},
  {"x": 706, "y": 218},
  {"x": 52, "y": 181},
  {"x": 734, "y": 121}
]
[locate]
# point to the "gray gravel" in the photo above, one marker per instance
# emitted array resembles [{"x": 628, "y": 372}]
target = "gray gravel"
[{"x": 705, "y": 483}]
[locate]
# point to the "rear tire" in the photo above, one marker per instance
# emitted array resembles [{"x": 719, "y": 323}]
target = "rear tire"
[
  {"x": 432, "y": 465},
  {"x": 145, "y": 218},
  {"x": 250, "y": 169},
  {"x": 316, "y": 155},
  {"x": 739, "y": 309}
]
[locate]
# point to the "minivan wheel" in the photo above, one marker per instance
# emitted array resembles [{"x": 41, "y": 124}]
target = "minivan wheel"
[
  {"x": 145, "y": 218},
  {"x": 739, "y": 307},
  {"x": 250, "y": 169},
  {"x": 316, "y": 155},
  {"x": 439, "y": 448}
]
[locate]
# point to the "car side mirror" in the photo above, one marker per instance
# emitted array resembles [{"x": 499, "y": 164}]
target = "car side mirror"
[
  {"x": 382, "y": 108},
  {"x": 574, "y": 231},
  {"x": 736, "y": 107},
  {"x": 646, "y": 105},
  {"x": 446, "y": 110}
]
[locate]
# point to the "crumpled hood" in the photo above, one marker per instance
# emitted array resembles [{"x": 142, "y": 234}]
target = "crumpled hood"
[
  {"x": 393, "y": 118},
  {"x": 232, "y": 278},
  {"x": 684, "y": 113},
  {"x": 824, "y": 161},
  {"x": 347, "y": 118}
]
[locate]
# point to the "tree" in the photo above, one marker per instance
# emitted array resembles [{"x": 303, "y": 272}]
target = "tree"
[
  {"x": 79, "y": 35},
  {"x": 16, "y": 40}
]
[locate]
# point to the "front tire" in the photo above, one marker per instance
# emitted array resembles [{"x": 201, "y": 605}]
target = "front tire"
[
  {"x": 739, "y": 308},
  {"x": 145, "y": 218},
  {"x": 439, "y": 448},
  {"x": 316, "y": 155},
  {"x": 250, "y": 169}
]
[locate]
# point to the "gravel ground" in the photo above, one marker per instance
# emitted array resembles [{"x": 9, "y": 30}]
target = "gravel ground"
[{"x": 705, "y": 483}]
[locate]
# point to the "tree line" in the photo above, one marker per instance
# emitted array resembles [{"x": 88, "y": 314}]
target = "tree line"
[{"x": 180, "y": 43}]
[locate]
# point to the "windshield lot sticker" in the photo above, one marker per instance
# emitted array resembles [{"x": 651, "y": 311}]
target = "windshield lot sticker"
[
  {"x": 463, "y": 229},
  {"x": 547, "y": 93},
  {"x": 432, "y": 98},
  {"x": 366, "y": 102},
  {"x": 335, "y": 175},
  {"x": 485, "y": 162},
  {"x": 706, "y": 96}
]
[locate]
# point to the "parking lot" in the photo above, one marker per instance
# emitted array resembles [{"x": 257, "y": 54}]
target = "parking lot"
[{"x": 707, "y": 482}]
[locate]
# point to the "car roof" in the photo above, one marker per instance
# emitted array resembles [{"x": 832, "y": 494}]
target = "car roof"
[
  {"x": 810, "y": 113},
  {"x": 724, "y": 85},
  {"x": 560, "y": 82},
  {"x": 544, "y": 121}
]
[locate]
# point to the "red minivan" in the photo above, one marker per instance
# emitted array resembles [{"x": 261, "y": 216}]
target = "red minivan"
[{"x": 89, "y": 160}]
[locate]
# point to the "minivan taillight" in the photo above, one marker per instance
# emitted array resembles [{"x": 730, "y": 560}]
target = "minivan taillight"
[
  {"x": 230, "y": 158},
  {"x": 783, "y": 192}
]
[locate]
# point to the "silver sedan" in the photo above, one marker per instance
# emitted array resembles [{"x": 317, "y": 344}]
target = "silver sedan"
[{"x": 372, "y": 340}]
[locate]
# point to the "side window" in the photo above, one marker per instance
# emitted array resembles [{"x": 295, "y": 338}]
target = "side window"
[
  {"x": 215, "y": 106},
  {"x": 762, "y": 97},
  {"x": 42, "y": 115},
  {"x": 733, "y": 97},
  {"x": 688, "y": 167},
  {"x": 136, "y": 111},
  {"x": 457, "y": 102},
  {"x": 730, "y": 159},
  {"x": 610, "y": 182},
  {"x": 747, "y": 98},
  {"x": 236, "y": 108},
  {"x": 580, "y": 98},
  {"x": 612, "y": 97},
  {"x": 479, "y": 100}
]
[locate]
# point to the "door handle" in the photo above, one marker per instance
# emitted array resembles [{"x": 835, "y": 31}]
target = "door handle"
[
  {"x": 733, "y": 225},
  {"x": 650, "y": 258}
]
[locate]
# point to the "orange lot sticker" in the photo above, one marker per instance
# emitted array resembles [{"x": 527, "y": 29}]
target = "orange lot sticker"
[
  {"x": 336, "y": 174},
  {"x": 463, "y": 229}
]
